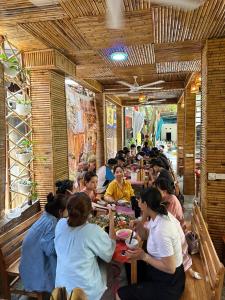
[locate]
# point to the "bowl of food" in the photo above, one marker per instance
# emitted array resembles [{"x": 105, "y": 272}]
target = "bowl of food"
[
  {"x": 123, "y": 234},
  {"x": 133, "y": 244}
]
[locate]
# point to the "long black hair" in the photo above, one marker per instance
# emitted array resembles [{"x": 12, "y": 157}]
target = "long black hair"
[
  {"x": 55, "y": 203},
  {"x": 63, "y": 186},
  {"x": 152, "y": 197},
  {"x": 165, "y": 185}
]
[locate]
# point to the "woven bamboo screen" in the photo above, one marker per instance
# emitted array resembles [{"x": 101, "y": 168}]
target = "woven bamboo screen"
[
  {"x": 189, "y": 142},
  {"x": 213, "y": 133},
  {"x": 180, "y": 136},
  {"x": 49, "y": 130},
  {"x": 2, "y": 141}
]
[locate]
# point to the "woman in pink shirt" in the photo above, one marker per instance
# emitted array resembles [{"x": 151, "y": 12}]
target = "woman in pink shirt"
[
  {"x": 174, "y": 207},
  {"x": 90, "y": 182}
]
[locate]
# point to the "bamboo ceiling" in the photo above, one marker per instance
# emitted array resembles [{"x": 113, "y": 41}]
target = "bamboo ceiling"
[{"x": 161, "y": 42}]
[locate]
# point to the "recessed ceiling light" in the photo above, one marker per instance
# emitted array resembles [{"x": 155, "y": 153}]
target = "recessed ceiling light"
[{"x": 119, "y": 56}]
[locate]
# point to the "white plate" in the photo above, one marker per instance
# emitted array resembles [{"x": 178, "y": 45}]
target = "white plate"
[
  {"x": 101, "y": 202},
  {"x": 123, "y": 202}
]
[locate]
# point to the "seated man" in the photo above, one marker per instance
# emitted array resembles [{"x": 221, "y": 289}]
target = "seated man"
[{"x": 105, "y": 175}]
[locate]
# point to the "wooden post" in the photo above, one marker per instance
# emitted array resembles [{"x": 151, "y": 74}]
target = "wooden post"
[
  {"x": 100, "y": 111},
  {"x": 49, "y": 124},
  {"x": 212, "y": 144},
  {"x": 189, "y": 141},
  {"x": 119, "y": 127},
  {"x": 180, "y": 136},
  {"x": 2, "y": 141}
]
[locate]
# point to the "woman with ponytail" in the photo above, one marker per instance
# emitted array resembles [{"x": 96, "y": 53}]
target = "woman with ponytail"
[
  {"x": 38, "y": 257},
  {"x": 164, "y": 274},
  {"x": 79, "y": 246}
]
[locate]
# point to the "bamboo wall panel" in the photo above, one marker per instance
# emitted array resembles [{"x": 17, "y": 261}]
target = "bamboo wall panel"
[
  {"x": 48, "y": 121},
  {"x": 100, "y": 113},
  {"x": 189, "y": 141},
  {"x": 176, "y": 66},
  {"x": 59, "y": 126},
  {"x": 172, "y": 25},
  {"x": 180, "y": 135},
  {"x": 213, "y": 147},
  {"x": 119, "y": 127},
  {"x": 49, "y": 59},
  {"x": 2, "y": 141}
]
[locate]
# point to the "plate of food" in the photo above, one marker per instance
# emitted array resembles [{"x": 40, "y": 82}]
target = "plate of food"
[
  {"x": 101, "y": 202},
  {"x": 123, "y": 234},
  {"x": 123, "y": 202}
]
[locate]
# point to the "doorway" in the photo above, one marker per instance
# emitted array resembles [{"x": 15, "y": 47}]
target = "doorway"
[{"x": 168, "y": 136}]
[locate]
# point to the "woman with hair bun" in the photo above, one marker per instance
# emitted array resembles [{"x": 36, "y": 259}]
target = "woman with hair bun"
[
  {"x": 65, "y": 187},
  {"x": 79, "y": 245},
  {"x": 164, "y": 274},
  {"x": 91, "y": 183},
  {"x": 38, "y": 257}
]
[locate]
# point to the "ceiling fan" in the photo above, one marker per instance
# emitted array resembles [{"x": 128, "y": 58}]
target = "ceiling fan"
[
  {"x": 115, "y": 9},
  {"x": 136, "y": 88}
]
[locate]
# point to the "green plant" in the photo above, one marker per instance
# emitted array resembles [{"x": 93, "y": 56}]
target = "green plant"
[
  {"x": 25, "y": 146},
  {"x": 26, "y": 182},
  {"x": 23, "y": 100},
  {"x": 12, "y": 61},
  {"x": 33, "y": 194}
]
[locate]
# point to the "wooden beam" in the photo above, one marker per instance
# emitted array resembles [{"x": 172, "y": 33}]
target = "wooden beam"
[
  {"x": 114, "y": 99},
  {"x": 91, "y": 84}
]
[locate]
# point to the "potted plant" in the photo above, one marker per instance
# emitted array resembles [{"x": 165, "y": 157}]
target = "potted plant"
[
  {"x": 25, "y": 152},
  {"x": 11, "y": 65},
  {"x": 23, "y": 105},
  {"x": 24, "y": 186},
  {"x": 33, "y": 194}
]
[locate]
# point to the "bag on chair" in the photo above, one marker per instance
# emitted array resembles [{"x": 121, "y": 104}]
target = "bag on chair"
[{"x": 193, "y": 242}]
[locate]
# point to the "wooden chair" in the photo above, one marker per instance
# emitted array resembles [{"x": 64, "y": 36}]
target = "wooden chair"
[
  {"x": 78, "y": 294},
  {"x": 10, "y": 246},
  {"x": 207, "y": 263},
  {"x": 59, "y": 294}
]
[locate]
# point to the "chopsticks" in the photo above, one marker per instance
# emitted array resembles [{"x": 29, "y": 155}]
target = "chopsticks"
[{"x": 132, "y": 233}]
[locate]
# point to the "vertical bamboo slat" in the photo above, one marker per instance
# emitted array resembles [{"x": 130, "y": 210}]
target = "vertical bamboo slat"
[
  {"x": 119, "y": 127},
  {"x": 49, "y": 130},
  {"x": 180, "y": 136},
  {"x": 100, "y": 112},
  {"x": 213, "y": 146},
  {"x": 2, "y": 141},
  {"x": 189, "y": 142}
]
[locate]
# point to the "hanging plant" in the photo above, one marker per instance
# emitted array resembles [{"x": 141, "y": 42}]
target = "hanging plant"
[
  {"x": 23, "y": 105},
  {"x": 24, "y": 154},
  {"x": 11, "y": 65},
  {"x": 24, "y": 186}
]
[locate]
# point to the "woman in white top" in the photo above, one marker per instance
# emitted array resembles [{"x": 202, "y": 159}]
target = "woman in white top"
[
  {"x": 79, "y": 246},
  {"x": 165, "y": 277}
]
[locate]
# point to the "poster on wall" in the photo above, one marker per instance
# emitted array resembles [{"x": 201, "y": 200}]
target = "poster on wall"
[{"x": 82, "y": 128}]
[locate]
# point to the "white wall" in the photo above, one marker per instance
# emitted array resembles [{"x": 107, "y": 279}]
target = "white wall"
[{"x": 169, "y": 128}]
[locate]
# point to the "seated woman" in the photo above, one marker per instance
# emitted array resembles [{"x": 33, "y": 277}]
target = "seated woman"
[
  {"x": 38, "y": 257},
  {"x": 65, "y": 187},
  {"x": 167, "y": 192},
  {"x": 119, "y": 188},
  {"x": 90, "y": 183},
  {"x": 164, "y": 275},
  {"x": 174, "y": 207},
  {"x": 79, "y": 245}
]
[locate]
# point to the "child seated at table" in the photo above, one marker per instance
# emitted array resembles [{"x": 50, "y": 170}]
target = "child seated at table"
[
  {"x": 90, "y": 183},
  {"x": 119, "y": 188}
]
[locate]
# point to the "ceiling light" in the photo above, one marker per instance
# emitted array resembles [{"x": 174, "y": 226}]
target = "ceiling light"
[{"x": 119, "y": 56}]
